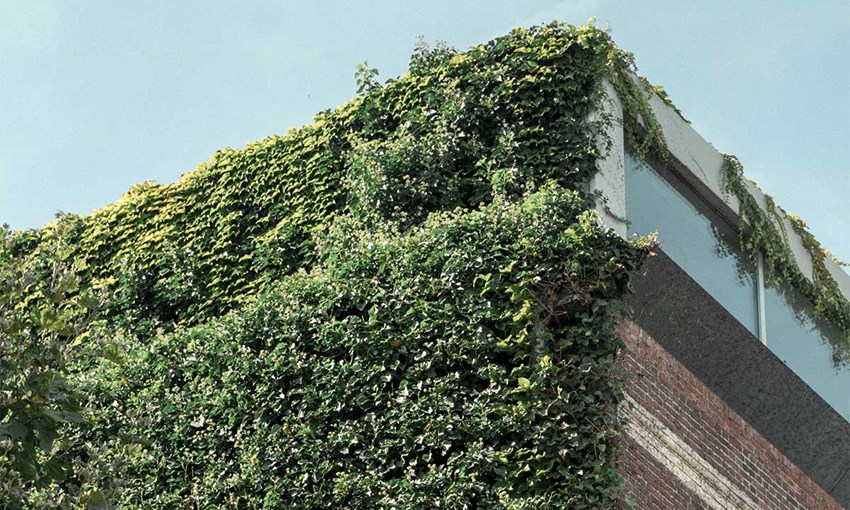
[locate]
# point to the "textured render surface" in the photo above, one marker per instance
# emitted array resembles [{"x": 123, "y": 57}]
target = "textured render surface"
[
  {"x": 691, "y": 149},
  {"x": 729, "y": 361},
  {"x": 610, "y": 181},
  {"x": 841, "y": 277},
  {"x": 686, "y": 448}
]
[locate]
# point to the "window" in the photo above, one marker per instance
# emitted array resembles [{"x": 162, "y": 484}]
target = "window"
[
  {"x": 707, "y": 247},
  {"x": 802, "y": 341},
  {"x": 703, "y": 245}
]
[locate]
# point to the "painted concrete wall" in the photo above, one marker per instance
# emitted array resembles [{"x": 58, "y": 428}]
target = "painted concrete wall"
[{"x": 610, "y": 181}]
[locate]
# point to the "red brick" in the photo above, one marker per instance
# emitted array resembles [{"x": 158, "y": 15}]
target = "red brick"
[{"x": 702, "y": 420}]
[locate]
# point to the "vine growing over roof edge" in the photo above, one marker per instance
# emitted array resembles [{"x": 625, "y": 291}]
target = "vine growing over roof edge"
[{"x": 764, "y": 233}]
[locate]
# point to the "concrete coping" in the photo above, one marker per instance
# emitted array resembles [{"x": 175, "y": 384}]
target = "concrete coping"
[{"x": 702, "y": 164}]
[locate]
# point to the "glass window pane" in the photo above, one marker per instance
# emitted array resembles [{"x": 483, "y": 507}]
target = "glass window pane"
[
  {"x": 705, "y": 248},
  {"x": 803, "y": 343}
]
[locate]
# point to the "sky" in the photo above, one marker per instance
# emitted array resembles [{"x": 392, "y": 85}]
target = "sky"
[{"x": 96, "y": 96}]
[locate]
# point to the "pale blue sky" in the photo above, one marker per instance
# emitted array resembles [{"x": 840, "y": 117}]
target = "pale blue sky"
[{"x": 99, "y": 95}]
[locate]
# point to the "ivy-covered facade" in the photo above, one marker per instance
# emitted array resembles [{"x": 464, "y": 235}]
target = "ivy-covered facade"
[{"x": 409, "y": 303}]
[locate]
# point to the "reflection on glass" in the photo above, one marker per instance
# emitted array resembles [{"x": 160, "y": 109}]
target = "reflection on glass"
[
  {"x": 803, "y": 343},
  {"x": 707, "y": 250}
]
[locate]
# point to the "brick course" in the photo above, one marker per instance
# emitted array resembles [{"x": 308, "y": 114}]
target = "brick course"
[
  {"x": 697, "y": 417},
  {"x": 649, "y": 485}
]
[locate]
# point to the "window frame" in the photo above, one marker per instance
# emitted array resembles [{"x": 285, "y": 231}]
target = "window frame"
[
  {"x": 717, "y": 211},
  {"x": 681, "y": 179}
]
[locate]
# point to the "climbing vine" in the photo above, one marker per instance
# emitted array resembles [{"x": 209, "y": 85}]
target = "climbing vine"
[
  {"x": 643, "y": 132},
  {"x": 764, "y": 233},
  {"x": 407, "y": 303}
]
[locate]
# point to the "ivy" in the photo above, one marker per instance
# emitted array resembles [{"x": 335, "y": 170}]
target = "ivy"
[
  {"x": 643, "y": 132},
  {"x": 407, "y": 303},
  {"x": 478, "y": 374},
  {"x": 44, "y": 318},
  {"x": 764, "y": 234}
]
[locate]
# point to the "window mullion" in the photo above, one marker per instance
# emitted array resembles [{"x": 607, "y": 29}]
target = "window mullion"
[{"x": 761, "y": 306}]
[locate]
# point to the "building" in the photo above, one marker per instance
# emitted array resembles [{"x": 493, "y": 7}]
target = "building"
[
  {"x": 733, "y": 398},
  {"x": 407, "y": 304}
]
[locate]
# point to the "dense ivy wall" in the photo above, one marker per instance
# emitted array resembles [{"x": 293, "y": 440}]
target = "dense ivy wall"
[
  {"x": 445, "y": 366},
  {"x": 406, "y": 304}
]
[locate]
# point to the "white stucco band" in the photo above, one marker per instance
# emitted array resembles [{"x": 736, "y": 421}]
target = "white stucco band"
[
  {"x": 682, "y": 461},
  {"x": 702, "y": 162},
  {"x": 610, "y": 180}
]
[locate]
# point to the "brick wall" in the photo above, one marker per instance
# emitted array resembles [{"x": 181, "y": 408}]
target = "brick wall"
[
  {"x": 685, "y": 449},
  {"x": 649, "y": 484}
]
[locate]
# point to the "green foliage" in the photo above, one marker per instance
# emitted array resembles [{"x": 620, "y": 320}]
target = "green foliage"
[
  {"x": 643, "y": 132},
  {"x": 366, "y": 77},
  {"x": 764, "y": 233},
  {"x": 43, "y": 317},
  {"x": 659, "y": 91},
  {"x": 403, "y": 304},
  {"x": 466, "y": 362}
]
